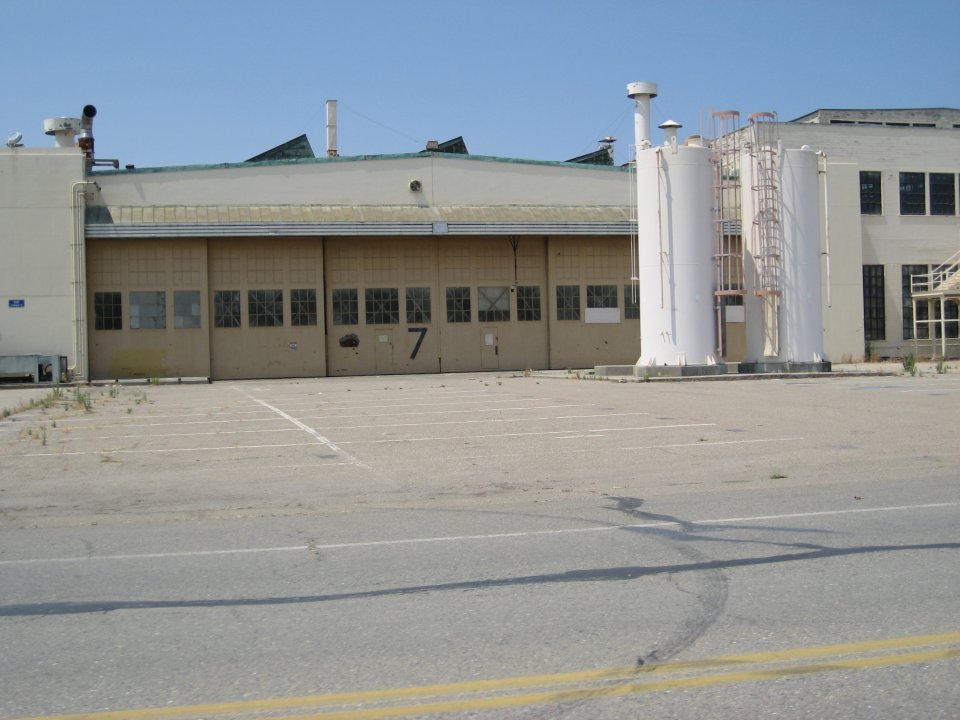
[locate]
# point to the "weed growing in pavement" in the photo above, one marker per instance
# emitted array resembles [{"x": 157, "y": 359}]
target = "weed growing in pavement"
[
  {"x": 82, "y": 399},
  {"x": 910, "y": 364}
]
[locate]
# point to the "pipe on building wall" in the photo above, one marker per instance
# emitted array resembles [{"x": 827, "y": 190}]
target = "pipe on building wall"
[
  {"x": 79, "y": 368},
  {"x": 826, "y": 227},
  {"x": 663, "y": 254}
]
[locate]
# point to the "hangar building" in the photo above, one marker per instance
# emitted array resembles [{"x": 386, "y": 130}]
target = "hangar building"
[{"x": 291, "y": 265}]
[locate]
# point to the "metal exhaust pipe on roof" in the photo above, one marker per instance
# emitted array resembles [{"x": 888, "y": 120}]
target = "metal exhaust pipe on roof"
[
  {"x": 85, "y": 136},
  {"x": 641, "y": 93},
  {"x": 332, "y": 128}
]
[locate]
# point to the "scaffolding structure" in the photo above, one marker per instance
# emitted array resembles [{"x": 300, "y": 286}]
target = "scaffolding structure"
[
  {"x": 936, "y": 289},
  {"x": 728, "y": 255},
  {"x": 767, "y": 220}
]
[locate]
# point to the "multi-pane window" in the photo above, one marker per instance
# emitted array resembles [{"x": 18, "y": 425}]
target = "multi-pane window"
[
  {"x": 148, "y": 310},
  {"x": 631, "y": 302},
  {"x": 303, "y": 307},
  {"x": 601, "y": 296},
  {"x": 107, "y": 311},
  {"x": 493, "y": 304},
  {"x": 345, "y": 307},
  {"x": 458, "y": 304},
  {"x": 186, "y": 308},
  {"x": 874, "y": 315},
  {"x": 913, "y": 193},
  {"x": 923, "y": 314},
  {"x": 382, "y": 306},
  {"x": 265, "y": 308},
  {"x": 528, "y": 302},
  {"x": 568, "y": 302},
  {"x": 418, "y": 305},
  {"x": 226, "y": 308},
  {"x": 870, "y": 199},
  {"x": 951, "y": 325},
  {"x": 943, "y": 194}
]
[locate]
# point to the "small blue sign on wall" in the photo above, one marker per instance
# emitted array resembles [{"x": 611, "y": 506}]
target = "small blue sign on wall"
[{"x": 16, "y": 303}]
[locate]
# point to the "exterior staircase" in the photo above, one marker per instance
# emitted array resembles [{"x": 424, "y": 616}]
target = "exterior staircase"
[
  {"x": 938, "y": 287},
  {"x": 942, "y": 281}
]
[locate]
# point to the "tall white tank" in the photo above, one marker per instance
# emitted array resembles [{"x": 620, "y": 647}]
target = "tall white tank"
[
  {"x": 675, "y": 252},
  {"x": 786, "y": 327},
  {"x": 801, "y": 306}
]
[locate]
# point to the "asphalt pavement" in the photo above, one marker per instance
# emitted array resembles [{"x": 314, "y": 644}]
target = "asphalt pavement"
[{"x": 483, "y": 545}]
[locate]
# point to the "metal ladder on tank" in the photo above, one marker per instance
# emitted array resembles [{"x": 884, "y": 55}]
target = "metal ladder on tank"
[
  {"x": 767, "y": 229},
  {"x": 728, "y": 255}
]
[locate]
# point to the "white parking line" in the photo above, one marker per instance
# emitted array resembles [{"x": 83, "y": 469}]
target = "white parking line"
[
  {"x": 490, "y": 536},
  {"x": 706, "y": 443},
  {"x": 523, "y": 434},
  {"x": 170, "y": 450},
  {"x": 482, "y": 420},
  {"x": 307, "y": 429}
]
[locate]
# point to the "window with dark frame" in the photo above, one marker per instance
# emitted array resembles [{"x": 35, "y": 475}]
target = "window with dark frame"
[
  {"x": 148, "y": 310},
  {"x": 493, "y": 304},
  {"x": 952, "y": 318},
  {"x": 382, "y": 306},
  {"x": 943, "y": 190},
  {"x": 631, "y": 302},
  {"x": 568, "y": 302},
  {"x": 923, "y": 313},
  {"x": 345, "y": 306},
  {"x": 458, "y": 304},
  {"x": 528, "y": 303},
  {"x": 874, "y": 314},
  {"x": 871, "y": 202},
  {"x": 913, "y": 193},
  {"x": 303, "y": 307},
  {"x": 226, "y": 308},
  {"x": 265, "y": 308},
  {"x": 186, "y": 309},
  {"x": 602, "y": 296},
  {"x": 418, "y": 305},
  {"x": 107, "y": 311}
]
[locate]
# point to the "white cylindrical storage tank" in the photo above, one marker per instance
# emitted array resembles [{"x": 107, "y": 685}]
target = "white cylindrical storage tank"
[
  {"x": 675, "y": 253},
  {"x": 757, "y": 331},
  {"x": 786, "y": 326},
  {"x": 801, "y": 308}
]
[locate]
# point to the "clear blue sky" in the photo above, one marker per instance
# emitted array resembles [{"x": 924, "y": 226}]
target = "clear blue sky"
[{"x": 183, "y": 82}]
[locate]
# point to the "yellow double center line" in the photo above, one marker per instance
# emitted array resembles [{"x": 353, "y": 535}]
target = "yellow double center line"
[{"x": 566, "y": 687}]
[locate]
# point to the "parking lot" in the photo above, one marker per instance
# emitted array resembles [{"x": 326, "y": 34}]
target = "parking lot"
[
  {"x": 203, "y": 550},
  {"x": 336, "y": 444}
]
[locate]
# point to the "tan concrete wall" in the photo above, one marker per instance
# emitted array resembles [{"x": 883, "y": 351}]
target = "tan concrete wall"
[
  {"x": 239, "y": 265},
  {"x": 487, "y": 264},
  {"x": 37, "y": 232},
  {"x": 148, "y": 266},
  {"x": 583, "y": 262},
  {"x": 382, "y": 263},
  {"x": 437, "y": 264},
  {"x": 445, "y": 180},
  {"x": 889, "y": 239},
  {"x": 283, "y": 264},
  {"x": 842, "y": 269}
]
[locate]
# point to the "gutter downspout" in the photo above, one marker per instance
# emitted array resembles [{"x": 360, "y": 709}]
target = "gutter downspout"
[
  {"x": 826, "y": 230},
  {"x": 79, "y": 369}
]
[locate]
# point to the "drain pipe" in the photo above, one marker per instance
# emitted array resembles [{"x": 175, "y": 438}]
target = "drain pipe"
[
  {"x": 826, "y": 228},
  {"x": 79, "y": 368}
]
